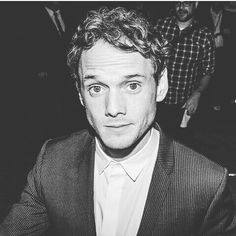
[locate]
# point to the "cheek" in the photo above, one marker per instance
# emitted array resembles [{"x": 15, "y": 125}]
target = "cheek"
[
  {"x": 151, "y": 104},
  {"x": 145, "y": 107},
  {"x": 93, "y": 112},
  {"x": 92, "y": 119}
]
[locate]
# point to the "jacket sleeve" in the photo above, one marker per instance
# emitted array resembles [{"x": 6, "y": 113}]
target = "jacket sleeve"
[
  {"x": 29, "y": 216},
  {"x": 220, "y": 218}
]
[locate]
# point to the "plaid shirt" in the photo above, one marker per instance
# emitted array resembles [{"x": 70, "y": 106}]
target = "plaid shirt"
[{"x": 193, "y": 56}]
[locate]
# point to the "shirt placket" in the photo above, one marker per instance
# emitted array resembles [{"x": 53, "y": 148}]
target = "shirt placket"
[{"x": 116, "y": 177}]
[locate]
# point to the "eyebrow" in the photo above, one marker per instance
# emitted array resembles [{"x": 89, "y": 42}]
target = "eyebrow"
[
  {"x": 134, "y": 75},
  {"x": 87, "y": 77}
]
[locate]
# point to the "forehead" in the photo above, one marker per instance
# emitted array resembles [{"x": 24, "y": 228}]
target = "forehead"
[{"x": 103, "y": 57}]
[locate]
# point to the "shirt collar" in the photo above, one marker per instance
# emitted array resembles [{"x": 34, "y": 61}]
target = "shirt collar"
[{"x": 134, "y": 165}]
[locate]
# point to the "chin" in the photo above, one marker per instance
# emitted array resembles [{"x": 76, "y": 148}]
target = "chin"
[
  {"x": 118, "y": 144},
  {"x": 182, "y": 19}
]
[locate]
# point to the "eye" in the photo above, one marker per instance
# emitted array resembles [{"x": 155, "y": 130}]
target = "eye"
[
  {"x": 134, "y": 87},
  {"x": 95, "y": 90}
]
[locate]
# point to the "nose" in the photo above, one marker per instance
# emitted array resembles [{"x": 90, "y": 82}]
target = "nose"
[{"x": 115, "y": 104}]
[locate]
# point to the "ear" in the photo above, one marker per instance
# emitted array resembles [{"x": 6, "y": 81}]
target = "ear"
[
  {"x": 162, "y": 87},
  {"x": 79, "y": 92}
]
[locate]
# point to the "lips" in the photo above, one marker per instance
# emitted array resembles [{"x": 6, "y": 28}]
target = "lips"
[
  {"x": 182, "y": 13},
  {"x": 118, "y": 128},
  {"x": 117, "y": 125}
]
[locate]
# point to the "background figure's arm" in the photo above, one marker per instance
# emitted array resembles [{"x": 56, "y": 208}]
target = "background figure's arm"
[
  {"x": 191, "y": 104},
  {"x": 220, "y": 217},
  {"x": 29, "y": 216},
  {"x": 207, "y": 68}
]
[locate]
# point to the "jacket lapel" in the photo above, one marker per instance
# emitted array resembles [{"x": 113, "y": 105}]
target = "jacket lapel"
[
  {"x": 158, "y": 186},
  {"x": 86, "y": 176}
]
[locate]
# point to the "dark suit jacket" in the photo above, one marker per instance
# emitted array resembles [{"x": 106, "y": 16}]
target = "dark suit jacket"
[
  {"x": 188, "y": 194},
  {"x": 47, "y": 49},
  {"x": 55, "y": 108}
]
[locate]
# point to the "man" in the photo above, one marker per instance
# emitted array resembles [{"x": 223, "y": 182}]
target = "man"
[
  {"x": 124, "y": 176},
  {"x": 50, "y": 28},
  {"x": 190, "y": 66}
]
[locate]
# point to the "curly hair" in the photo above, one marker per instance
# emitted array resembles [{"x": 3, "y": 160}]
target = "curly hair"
[{"x": 112, "y": 26}]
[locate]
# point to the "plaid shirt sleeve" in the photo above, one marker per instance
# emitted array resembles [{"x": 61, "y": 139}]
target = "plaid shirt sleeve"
[{"x": 208, "y": 61}]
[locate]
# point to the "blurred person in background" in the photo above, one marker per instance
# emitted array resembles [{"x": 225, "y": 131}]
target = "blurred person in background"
[
  {"x": 190, "y": 66},
  {"x": 222, "y": 24}
]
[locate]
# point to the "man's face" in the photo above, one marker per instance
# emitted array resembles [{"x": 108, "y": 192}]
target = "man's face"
[
  {"x": 119, "y": 93},
  {"x": 184, "y": 10}
]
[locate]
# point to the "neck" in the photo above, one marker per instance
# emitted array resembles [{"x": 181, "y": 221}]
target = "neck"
[{"x": 182, "y": 25}]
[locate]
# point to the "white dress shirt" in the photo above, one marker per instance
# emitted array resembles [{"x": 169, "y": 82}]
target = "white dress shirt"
[{"x": 121, "y": 188}]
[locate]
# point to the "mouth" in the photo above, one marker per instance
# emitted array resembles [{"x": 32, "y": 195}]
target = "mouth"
[
  {"x": 181, "y": 13},
  {"x": 117, "y": 126}
]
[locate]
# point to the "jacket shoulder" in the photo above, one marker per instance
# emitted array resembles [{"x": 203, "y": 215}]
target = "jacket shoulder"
[
  {"x": 195, "y": 171},
  {"x": 73, "y": 139},
  {"x": 66, "y": 149},
  {"x": 61, "y": 158},
  {"x": 195, "y": 161},
  {"x": 79, "y": 136}
]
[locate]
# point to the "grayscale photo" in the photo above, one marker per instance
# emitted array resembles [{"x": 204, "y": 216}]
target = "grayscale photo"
[{"x": 118, "y": 118}]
